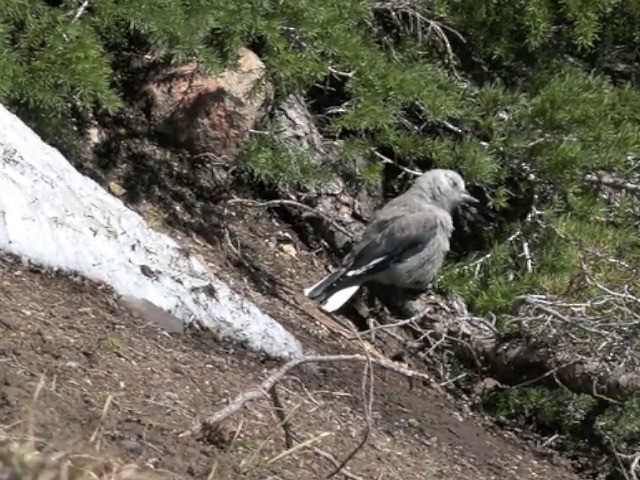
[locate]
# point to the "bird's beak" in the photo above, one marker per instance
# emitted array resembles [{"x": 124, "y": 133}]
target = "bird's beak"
[{"x": 468, "y": 198}]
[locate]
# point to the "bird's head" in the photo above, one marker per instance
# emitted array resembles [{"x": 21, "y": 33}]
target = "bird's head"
[{"x": 444, "y": 188}]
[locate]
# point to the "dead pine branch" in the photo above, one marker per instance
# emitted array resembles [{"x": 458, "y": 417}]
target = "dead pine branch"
[
  {"x": 608, "y": 180},
  {"x": 292, "y": 203},
  {"x": 213, "y": 421},
  {"x": 519, "y": 362},
  {"x": 387, "y": 160}
]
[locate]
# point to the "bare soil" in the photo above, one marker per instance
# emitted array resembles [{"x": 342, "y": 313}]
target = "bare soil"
[{"x": 113, "y": 383}]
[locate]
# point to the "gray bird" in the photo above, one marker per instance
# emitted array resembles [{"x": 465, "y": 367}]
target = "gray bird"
[{"x": 405, "y": 244}]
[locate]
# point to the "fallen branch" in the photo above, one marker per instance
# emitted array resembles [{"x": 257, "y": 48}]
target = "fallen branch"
[
  {"x": 292, "y": 438},
  {"x": 367, "y": 402},
  {"x": 292, "y": 203},
  {"x": 213, "y": 421},
  {"x": 289, "y": 435},
  {"x": 609, "y": 180},
  {"x": 514, "y": 363}
]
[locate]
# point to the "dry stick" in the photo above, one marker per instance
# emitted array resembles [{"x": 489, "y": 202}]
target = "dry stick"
[
  {"x": 388, "y": 326},
  {"x": 367, "y": 401},
  {"x": 634, "y": 467},
  {"x": 30, "y": 418},
  {"x": 336, "y": 464},
  {"x": 80, "y": 11},
  {"x": 609, "y": 181},
  {"x": 563, "y": 318},
  {"x": 262, "y": 390},
  {"x": 289, "y": 435},
  {"x": 103, "y": 415},
  {"x": 384, "y": 159},
  {"x": 294, "y": 437},
  {"x": 292, "y": 203}
]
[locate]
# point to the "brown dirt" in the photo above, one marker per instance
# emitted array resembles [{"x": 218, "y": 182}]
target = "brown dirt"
[{"x": 115, "y": 384}]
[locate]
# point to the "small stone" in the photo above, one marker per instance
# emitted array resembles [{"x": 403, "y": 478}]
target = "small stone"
[
  {"x": 116, "y": 189},
  {"x": 289, "y": 249},
  {"x": 132, "y": 446}
]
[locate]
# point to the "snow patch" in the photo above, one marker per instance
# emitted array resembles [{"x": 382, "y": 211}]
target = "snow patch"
[{"x": 53, "y": 215}]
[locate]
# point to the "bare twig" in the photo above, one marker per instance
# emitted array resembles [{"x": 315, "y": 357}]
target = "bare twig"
[
  {"x": 634, "y": 467},
  {"x": 80, "y": 10},
  {"x": 292, "y": 438},
  {"x": 457, "y": 130},
  {"x": 336, "y": 464},
  {"x": 340, "y": 73},
  {"x": 262, "y": 390},
  {"x": 419, "y": 21},
  {"x": 289, "y": 435},
  {"x": 563, "y": 318},
  {"x": 292, "y": 203},
  {"x": 389, "y": 326},
  {"x": 367, "y": 401},
  {"x": 410, "y": 171}
]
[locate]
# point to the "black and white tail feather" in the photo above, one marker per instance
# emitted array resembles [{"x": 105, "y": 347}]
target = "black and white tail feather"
[{"x": 396, "y": 240}]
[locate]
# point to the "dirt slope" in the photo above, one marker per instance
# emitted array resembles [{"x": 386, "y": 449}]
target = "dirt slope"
[{"x": 122, "y": 386}]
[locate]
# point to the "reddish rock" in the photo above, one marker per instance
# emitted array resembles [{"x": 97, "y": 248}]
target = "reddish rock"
[{"x": 211, "y": 114}]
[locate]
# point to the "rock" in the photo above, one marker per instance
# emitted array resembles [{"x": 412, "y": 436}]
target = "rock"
[
  {"x": 116, "y": 189},
  {"x": 334, "y": 222},
  {"x": 211, "y": 114},
  {"x": 296, "y": 130},
  {"x": 289, "y": 249}
]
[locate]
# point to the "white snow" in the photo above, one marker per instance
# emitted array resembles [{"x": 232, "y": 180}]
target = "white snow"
[{"x": 54, "y": 216}]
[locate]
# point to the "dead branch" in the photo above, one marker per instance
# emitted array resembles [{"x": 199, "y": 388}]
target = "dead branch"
[
  {"x": 367, "y": 402},
  {"x": 293, "y": 203},
  {"x": 608, "y": 180},
  {"x": 515, "y": 362},
  {"x": 419, "y": 23},
  {"x": 278, "y": 406},
  {"x": 387, "y": 160},
  {"x": 213, "y": 421},
  {"x": 292, "y": 438},
  {"x": 80, "y": 10}
]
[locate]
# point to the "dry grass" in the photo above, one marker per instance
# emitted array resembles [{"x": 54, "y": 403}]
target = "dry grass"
[{"x": 21, "y": 460}]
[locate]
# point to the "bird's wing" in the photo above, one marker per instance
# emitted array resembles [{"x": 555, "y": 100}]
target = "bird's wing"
[
  {"x": 399, "y": 238},
  {"x": 320, "y": 289}
]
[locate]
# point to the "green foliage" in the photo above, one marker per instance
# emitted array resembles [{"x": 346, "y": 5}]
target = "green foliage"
[
  {"x": 534, "y": 31},
  {"x": 541, "y": 409},
  {"x": 282, "y": 166},
  {"x": 622, "y": 423}
]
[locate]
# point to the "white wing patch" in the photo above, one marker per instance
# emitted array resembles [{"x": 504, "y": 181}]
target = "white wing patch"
[
  {"x": 369, "y": 265},
  {"x": 335, "y": 301}
]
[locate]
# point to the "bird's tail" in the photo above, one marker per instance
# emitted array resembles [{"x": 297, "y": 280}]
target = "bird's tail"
[
  {"x": 332, "y": 291},
  {"x": 319, "y": 289},
  {"x": 339, "y": 298}
]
